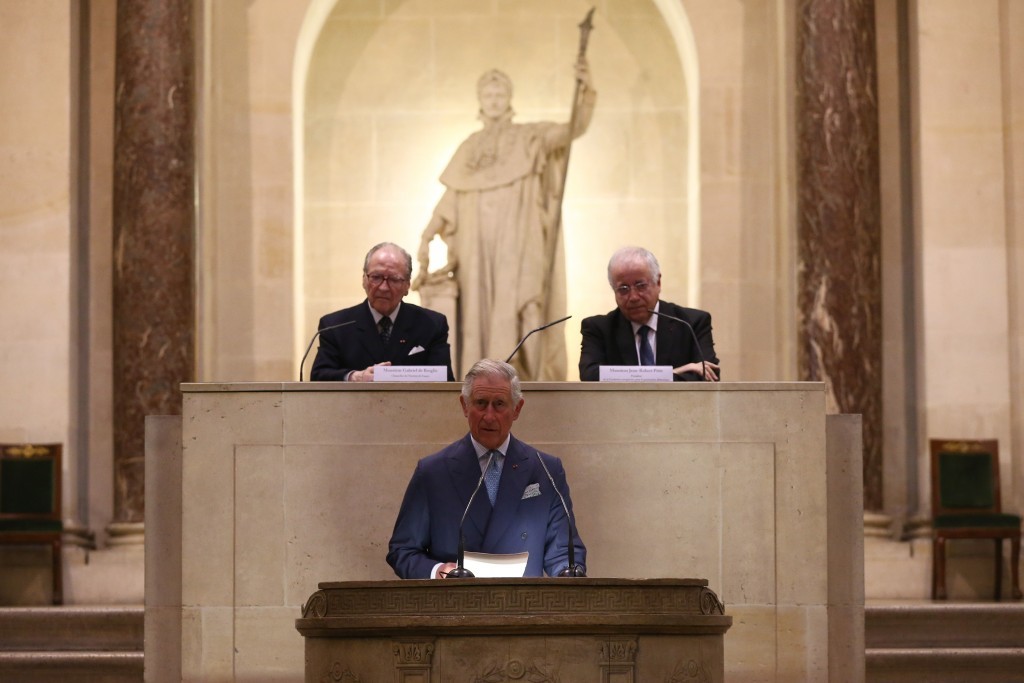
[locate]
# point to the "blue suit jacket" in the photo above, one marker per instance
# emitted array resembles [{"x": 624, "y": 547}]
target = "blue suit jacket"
[
  {"x": 358, "y": 346},
  {"x": 427, "y": 529},
  {"x": 609, "y": 340}
]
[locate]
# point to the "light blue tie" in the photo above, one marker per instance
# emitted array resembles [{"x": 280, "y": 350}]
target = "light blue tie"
[
  {"x": 646, "y": 352},
  {"x": 493, "y": 475}
]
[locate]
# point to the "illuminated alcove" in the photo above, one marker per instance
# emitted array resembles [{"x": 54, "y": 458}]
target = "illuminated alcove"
[{"x": 384, "y": 95}]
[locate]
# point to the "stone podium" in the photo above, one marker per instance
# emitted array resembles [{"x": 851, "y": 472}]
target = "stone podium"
[
  {"x": 565, "y": 630},
  {"x": 277, "y": 486}
]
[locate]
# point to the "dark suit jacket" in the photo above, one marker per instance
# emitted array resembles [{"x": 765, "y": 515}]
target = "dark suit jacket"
[
  {"x": 609, "y": 340},
  {"x": 427, "y": 529},
  {"x": 358, "y": 346}
]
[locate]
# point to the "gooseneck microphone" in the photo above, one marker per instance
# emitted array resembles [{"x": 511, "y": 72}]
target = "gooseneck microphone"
[
  {"x": 460, "y": 572},
  {"x": 542, "y": 327},
  {"x": 313, "y": 339},
  {"x": 700, "y": 352},
  {"x": 573, "y": 569}
]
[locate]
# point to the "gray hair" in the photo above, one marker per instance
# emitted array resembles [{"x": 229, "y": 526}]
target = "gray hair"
[
  {"x": 389, "y": 245},
  {"x": 492, "y": 368},
  {"x": 627, "y": 254}
]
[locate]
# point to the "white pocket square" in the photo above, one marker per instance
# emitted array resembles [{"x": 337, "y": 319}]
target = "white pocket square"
[
  {"x": 531, "y": 491},
  {"x": 417, "y": 349}
]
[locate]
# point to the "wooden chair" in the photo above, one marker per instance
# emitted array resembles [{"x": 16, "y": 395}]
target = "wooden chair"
[
  {"x": 966, "y": 504},
  {"x": 30, "y": 501}
]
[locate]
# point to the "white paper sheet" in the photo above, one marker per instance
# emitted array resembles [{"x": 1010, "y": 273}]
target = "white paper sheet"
[{"x": 488, "y": 566}]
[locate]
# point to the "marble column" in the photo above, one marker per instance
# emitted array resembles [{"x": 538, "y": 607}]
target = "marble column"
[
  {"x": 838, "y": 216},
  {"x": 154, "y": 326}
]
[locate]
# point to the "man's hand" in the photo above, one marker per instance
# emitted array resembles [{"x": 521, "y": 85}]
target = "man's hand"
[
  {"x": 365, "y": 375},
  {"x": 442, "y": 571},
  {"x": 709, "y": 369}
]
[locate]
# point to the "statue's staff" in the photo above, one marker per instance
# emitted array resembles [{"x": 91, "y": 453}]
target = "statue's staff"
[{"x": 586, "y": 26}]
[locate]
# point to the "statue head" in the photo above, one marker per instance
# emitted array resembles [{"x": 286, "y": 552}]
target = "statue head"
[{"x": 494, "y": 91}]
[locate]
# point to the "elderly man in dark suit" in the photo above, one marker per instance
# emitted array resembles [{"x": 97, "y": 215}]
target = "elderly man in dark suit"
[
  {"x": 632, "y": 335},
  {"x": 518, "y": 511},
  {"x": 386, "y": 330}
]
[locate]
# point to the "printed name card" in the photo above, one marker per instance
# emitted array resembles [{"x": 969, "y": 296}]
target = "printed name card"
[
  {"x": 636, "y": 373},
  {"x": 410, "y": 373}
]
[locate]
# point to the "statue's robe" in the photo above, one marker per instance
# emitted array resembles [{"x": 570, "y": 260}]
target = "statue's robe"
[{"x": 500, "y": 212}]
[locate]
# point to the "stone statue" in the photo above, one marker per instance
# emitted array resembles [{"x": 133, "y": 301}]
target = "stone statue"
[{"x": 500, "y": 219}]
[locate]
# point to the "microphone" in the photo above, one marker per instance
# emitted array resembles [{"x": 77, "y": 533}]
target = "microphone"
[
  {"x": 542, "y": 327},
  {"x": 573, "y": 569},
  {"x": 461, "y": 572},
  {"x": 700, "y": 352},
  {"x": 315, "y": 335}
]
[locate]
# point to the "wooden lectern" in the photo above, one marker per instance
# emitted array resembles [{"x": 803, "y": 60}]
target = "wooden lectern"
[{"x": 493, "y": 630}]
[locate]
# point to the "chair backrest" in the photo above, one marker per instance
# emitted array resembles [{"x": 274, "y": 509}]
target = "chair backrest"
[
  {"x": 965, "y": 476},
  {"x": 30, "y": 484}
]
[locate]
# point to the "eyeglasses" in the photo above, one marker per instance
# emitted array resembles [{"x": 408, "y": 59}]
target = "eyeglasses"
[
  {"x": 639, "y": 288},
  {"x": 392, "y": 280}
]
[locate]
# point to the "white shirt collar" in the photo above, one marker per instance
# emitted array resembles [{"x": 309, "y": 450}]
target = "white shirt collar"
[
  {"x": 482, "y": 450},
  {"x": 377, "y": 316}
]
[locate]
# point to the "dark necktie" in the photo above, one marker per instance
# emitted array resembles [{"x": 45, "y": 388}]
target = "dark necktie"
[
  {"x": 493, "y": 475},
  {"x": 385, "y": 329},
  {"x": 646, "y": 352}
]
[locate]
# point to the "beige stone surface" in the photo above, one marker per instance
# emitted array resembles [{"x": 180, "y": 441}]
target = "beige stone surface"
[
  {"x": 35, "y": 222},
  {"x": 269, "y": 647},
  {"x": 287, "y": 485}
]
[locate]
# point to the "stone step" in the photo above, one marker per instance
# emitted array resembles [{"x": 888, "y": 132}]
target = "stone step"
[
  {"x": 944, "y": 625},
  {"x": 81, "y": 667},
  {"x": 81, "y": 644},
  {"x": 72, "y": 629},
  {"x": 944, "y": 641},
  {"x": 939, "y": 665}
]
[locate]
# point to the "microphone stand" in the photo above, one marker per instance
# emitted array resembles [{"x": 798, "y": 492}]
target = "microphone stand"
[
  {"x": 460, "y": 572},
  {"x": 700, "y": 352},
  {"x": 542, "y": 327},
  {"x": 313, "y": 339},
  {"x": 573, "y": 569}
]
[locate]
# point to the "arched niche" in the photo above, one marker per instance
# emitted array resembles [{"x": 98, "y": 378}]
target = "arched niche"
[{"x": 383, "y": 97}]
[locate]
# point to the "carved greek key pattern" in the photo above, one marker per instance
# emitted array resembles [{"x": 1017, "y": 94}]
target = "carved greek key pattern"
[
  {"x": 515, "y": 670},
  {"x": 505, "y": 600}
]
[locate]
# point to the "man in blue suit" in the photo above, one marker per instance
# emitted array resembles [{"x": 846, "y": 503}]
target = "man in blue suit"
[
  {"x": 386, "y": 330},
  {"x": 526, "y": 513},
  {"x": 632, "y": 335}
]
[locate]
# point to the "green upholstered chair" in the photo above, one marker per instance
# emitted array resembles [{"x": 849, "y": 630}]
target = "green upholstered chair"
[
  {"x": 966, "y": 504},
  {"x": 30, "y": 501}
]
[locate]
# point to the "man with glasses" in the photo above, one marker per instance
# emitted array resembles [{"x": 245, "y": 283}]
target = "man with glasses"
[
  {"x": 386, "y": 331},
  {"x": 632, "y": 335}
]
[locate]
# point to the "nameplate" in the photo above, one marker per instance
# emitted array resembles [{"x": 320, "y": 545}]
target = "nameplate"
[
  {"x": 636, "y": 373},
  {"x": 410, "y": 373}
]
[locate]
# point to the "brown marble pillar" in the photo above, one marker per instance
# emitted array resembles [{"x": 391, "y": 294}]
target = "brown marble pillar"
[
  {"x": 839, "y": 220},
  {"x": 154, "y": 325}
]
